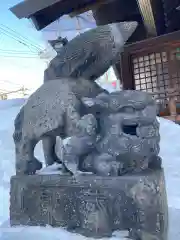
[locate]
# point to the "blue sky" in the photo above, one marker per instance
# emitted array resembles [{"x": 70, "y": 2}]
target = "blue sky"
[
  {"x": 22, "y": 26},
  {"x": 28, "y": 69}
]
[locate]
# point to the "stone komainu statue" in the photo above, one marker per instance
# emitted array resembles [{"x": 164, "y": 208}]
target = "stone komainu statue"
[
  {"x": 113, "y": 133},
  {"x": 53, "y": 110},
  {"x": 89, "y": 56},
  {"x": 56, "y": 106},
  {"x": 128, "y": 135}
]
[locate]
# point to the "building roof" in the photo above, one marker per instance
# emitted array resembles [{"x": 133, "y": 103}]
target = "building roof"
[{"x": 42, "y": 12}]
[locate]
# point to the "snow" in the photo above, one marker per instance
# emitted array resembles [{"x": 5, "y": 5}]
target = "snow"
[
  {"x": 54, "y": 169},
  {"x": 170, "y": 153},
  {"x": 48, "y": 233}
]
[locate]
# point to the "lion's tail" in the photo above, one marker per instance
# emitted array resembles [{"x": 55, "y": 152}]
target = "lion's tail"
[{"x": 18, "y": 122}]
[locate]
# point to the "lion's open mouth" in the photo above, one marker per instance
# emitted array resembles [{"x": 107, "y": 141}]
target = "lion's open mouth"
[{"x": 130, "y": 129}]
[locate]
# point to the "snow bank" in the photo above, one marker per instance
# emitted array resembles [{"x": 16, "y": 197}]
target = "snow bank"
[
  {"x": 8, "y": 111},
  {"x": 49, "y": 233},
  {"x": 4, "y": 104},
  {"x": 170, "y": 153}
]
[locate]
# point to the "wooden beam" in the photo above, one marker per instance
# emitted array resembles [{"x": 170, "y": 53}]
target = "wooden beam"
[
  {"x": 92, "y": 6},
  {"x": 27, "y": 8},
  {"x": 43, "y": 13},
  {"x": 157, "y": 42}
]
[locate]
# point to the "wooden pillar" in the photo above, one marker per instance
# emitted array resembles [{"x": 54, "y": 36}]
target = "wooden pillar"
[{"x": 153, "y": 16}]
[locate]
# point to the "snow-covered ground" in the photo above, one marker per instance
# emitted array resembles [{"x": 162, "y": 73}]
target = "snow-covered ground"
[{"x": 170, "y": 153}]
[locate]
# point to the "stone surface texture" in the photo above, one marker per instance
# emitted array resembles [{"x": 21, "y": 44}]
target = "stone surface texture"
[
  {"x": 91, "y": 205},
  {"x": 128, "y": 135},
  {"x": 91, "y": 54},
  {"x": 53, "y": 110}
]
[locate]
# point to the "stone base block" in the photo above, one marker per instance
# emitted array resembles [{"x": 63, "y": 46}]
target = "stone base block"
[{"x": 93, "y": 206}]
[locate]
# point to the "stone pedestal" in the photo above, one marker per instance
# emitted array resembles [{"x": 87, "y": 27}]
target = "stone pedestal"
[{"x": 90, "y": 205}]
